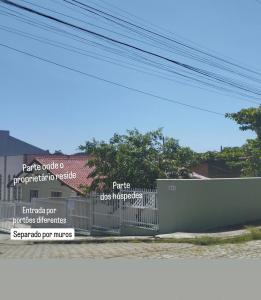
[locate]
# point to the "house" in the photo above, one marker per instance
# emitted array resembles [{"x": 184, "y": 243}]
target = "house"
[
  {"x": 52, "y": 176},
  {"x": 217, "y": 168},
  {"x": 13, "y": 153}
]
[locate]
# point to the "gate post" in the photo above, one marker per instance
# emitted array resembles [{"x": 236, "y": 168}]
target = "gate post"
[
  {"x": 91, "y": 213},
  {"x": 68, "y": 221},
  {"x": 14, "y": 216},
  {"x": 120, "y": 215}
]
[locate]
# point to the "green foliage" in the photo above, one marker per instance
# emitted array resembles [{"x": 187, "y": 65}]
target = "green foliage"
[
  {"x": 208, "y": 240},
  {"x": 138, "y": 159},
  {"x": 248, "y": 157},
  {"x": 248, "y": 119},
  {"x": 252, "y": 158}
]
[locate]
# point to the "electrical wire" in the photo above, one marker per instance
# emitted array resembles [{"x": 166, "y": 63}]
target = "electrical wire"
[{"x": 111, "y": 82}]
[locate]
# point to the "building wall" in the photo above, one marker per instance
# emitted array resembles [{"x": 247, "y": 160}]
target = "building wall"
[
  {"x": 9, "y": 166},
  {"x": 13, "y": 146},
  {"x": 202, "y": 169},
  {"x": 12, "y": 153},
  {"x": 199, "y": 205},
  {"x": 44, "y": 189},
  {"x": 217, "y": 169},
  {"x": 2, "y": 174}
]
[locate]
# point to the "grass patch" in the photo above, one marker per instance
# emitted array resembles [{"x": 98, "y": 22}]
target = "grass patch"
[{"x": 251, "y": 235}]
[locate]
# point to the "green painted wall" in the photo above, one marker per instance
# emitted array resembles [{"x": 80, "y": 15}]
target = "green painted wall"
[{"x": 191, "y": 205}]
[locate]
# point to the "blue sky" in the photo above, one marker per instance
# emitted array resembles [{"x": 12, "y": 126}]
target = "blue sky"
[{"x": 57, "y": 109}]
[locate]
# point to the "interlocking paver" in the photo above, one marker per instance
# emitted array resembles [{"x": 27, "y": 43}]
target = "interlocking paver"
[{"x": 129, "y": 250}]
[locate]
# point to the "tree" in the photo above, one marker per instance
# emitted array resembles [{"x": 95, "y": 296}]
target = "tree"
[
  {"x": 248, "y": 119},
  {"x": 248, "y": 157},
  {"x": 252, "y": 158},
  {"x": 58, "y": 152},
  {"x": 245, "y": 159},
  {"x": 138, "y": 159}
]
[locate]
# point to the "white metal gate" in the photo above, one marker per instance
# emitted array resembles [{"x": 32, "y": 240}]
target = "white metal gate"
[
  {"x": 143, "y": 212},
  {"x": 9, "y": 211},
  {"x": 91, "y": 214},
  {"x": 106, "y": 215},
  {"x": 79, "y": 214}
]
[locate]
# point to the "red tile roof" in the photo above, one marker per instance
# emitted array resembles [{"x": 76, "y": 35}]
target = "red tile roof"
[{"x": 75, "y": 164}]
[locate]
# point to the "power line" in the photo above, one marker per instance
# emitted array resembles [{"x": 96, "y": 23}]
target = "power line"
[
  {"x": 167, "y": 46},
  {"x": 96, "y": 56},
  {"x": 207, "y": 74},
  {"x": 90, "y": 8},
  {"x": 153, "y": 64},
  {"x": 188, "y": 77},
  {"x": 163, "y": 31},
  {"x": 78, "y": 38},
  {"x": 111, "y": 82},
  {"x": 107, "y": 16},
  {"x": 91, "y": 24}
]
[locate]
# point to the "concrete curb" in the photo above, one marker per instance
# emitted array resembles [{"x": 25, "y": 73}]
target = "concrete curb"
[{"x": 4, "y": 238}]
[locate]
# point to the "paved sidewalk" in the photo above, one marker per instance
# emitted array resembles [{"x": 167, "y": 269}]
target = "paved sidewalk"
[
  {"x": 129, "y": 250},
  {"x": 128, "y": 247},
  {"x": 4, "y": 237},
  {"x": 176, "y": 235}
]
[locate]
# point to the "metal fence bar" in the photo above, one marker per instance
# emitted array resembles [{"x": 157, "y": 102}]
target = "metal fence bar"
[
  {"x": 90, "y": 213},
  {"x": 9, "y": 211},
  {"x": 141, "y": 212}
]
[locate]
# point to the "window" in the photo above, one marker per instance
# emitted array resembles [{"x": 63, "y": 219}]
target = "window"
[
  {"x": 56, "y": 194},
  {"x": 33, "y": 194},
  {"x": 19, "y": 193}
]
